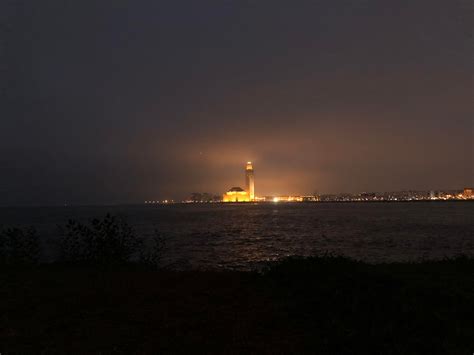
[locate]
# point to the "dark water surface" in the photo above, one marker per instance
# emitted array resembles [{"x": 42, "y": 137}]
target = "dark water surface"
[{"x": 245, "y": 235}]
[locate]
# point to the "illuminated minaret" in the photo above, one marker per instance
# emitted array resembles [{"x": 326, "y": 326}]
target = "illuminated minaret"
[{"x": 250, "y": 181}]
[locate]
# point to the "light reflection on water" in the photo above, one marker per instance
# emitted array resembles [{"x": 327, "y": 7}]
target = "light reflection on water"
[{"x": 245, "y": 235}]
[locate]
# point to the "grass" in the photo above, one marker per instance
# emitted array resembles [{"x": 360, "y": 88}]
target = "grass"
[{"x": 325, "y": 305}]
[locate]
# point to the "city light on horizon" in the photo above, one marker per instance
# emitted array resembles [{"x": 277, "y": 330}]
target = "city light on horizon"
[{"x": 238, "y": 194}]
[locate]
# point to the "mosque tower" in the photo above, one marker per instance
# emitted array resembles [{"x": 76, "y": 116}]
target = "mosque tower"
[{"x": 250, "y": 181}]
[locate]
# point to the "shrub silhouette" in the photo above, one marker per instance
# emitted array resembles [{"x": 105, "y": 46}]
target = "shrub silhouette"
[
  {"x": 19, "y": 247},
  {"x": 103, "y": 242},
  {"x": 151, "y": 256}
]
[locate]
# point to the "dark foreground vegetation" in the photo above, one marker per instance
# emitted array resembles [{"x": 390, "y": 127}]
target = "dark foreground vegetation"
[{"x": 325, "y": 305}]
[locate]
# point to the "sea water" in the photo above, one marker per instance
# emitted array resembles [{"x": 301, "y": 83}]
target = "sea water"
[{"x": 243, "y": 236}]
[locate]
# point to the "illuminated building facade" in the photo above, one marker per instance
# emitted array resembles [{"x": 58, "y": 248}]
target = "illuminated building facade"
[
  {"x": 237, "y": 194},
  {"x": 250, "y": 181},
  {"x": 468, "y": 193}
]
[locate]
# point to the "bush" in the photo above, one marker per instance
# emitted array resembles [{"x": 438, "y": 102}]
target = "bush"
[
  {"x": 103, "y": 242},
  {"x": 19, "y": 247},
  {"x": 151, "y": 256}
]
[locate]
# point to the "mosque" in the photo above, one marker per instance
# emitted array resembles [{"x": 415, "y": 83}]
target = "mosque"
[{"x": 237, "y": 194}]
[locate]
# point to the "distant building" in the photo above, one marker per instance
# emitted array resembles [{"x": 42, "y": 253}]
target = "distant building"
[
  {"x": 250, "y": 181},
  {"x": 468, "y": 192},
  {"x": 287, "y": 199},
  {"x": 311, "y": 198},
  {"x": 237, "y": 194},
  {"x": 196, "y": 197}
]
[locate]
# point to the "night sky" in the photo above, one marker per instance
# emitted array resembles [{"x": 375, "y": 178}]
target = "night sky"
[{"x": 125, "y": 101}]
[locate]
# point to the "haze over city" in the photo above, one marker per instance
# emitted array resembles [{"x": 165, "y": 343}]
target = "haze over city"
[{"x": 107, "y": 102}]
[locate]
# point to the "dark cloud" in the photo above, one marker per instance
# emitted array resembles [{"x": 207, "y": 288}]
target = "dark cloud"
[{"x": 121, "y": 101}]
